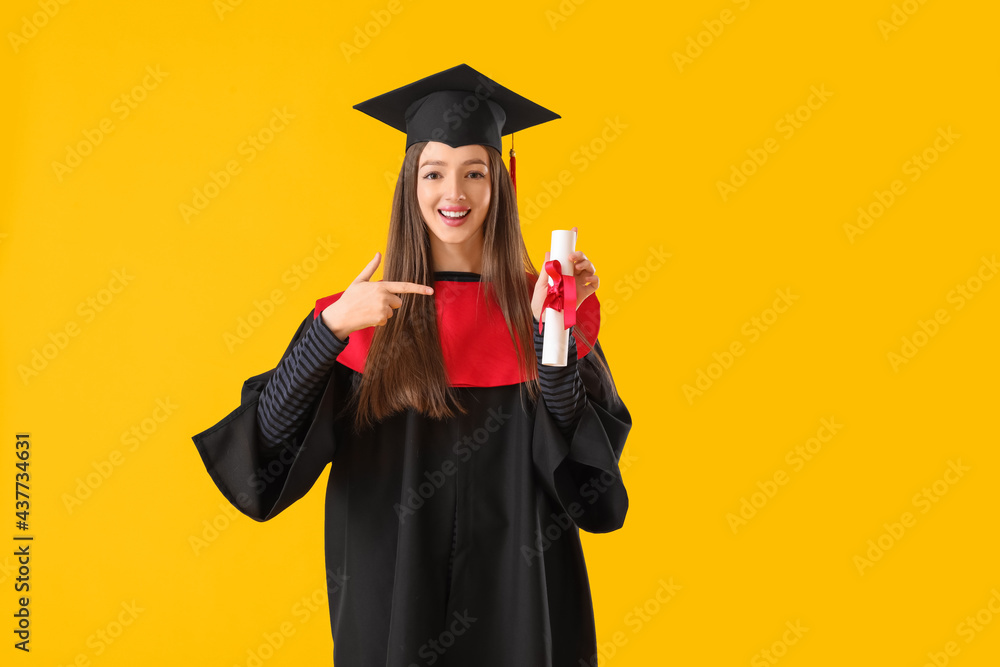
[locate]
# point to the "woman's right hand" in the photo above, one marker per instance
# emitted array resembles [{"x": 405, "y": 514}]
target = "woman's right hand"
[{"x": 364, "y": 304}]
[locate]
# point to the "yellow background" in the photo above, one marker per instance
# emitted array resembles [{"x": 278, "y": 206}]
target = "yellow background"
[{"x": 652, "y": 189}]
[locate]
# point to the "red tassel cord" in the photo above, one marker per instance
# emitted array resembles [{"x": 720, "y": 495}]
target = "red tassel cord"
[{"x": 513, "y": 169}]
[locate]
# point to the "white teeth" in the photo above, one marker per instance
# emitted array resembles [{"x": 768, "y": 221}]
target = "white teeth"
[{"x": 455, "y": 214}]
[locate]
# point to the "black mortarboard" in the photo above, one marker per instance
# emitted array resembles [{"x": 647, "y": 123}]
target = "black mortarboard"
[{"x": 458, "y": 107}]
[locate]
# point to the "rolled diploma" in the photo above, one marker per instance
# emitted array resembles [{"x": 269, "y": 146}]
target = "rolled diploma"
[{"x": 555, "y": 337}]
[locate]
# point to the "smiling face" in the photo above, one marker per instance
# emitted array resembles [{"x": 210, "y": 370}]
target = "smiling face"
[{"x": 453, "y": 191}]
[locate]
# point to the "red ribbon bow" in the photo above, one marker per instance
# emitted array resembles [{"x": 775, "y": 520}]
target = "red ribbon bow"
[{"x": 561, "y": 295}]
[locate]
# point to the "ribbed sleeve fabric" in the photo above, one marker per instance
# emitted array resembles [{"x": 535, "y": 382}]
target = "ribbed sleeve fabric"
[
  {"x": 297, "y": 383},
  {"x": 562, "y": 386}
]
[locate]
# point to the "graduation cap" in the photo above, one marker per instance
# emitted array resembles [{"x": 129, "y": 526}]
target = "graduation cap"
[{"x": 458, "y": 106}]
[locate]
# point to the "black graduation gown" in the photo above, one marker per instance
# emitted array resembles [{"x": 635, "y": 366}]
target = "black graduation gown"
[{"x": 447, "y": 542}]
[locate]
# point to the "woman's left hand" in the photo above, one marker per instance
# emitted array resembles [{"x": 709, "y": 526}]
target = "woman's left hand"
[{"x": 585, "y": 274}]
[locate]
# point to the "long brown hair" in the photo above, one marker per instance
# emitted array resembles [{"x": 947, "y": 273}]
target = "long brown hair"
[{"x": 405, "y": 366}]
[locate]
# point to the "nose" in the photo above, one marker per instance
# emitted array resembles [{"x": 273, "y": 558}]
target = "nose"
[{"x": 453, "y": 187}]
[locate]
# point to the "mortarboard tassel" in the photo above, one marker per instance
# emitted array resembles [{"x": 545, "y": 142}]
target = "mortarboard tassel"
[
  {"x": 513, "y": 165},
  {"x": 513, "y": 170}
]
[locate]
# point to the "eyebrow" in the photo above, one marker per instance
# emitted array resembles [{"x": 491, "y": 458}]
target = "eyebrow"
[{"x": 474, "y": 160}]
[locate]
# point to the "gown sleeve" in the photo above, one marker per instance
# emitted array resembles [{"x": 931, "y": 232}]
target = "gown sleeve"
[
  {"x": 576, "y": 448},
  {"x": 259, "y": 477},
  {"x": 562, "y": 386},
  {"x": 284, "y": 404}
]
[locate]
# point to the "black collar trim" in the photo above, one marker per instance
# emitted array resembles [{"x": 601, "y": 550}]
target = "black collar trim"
[{"x": 458, "y": 276}]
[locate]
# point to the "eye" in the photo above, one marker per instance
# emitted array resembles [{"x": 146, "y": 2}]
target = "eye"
[{"x": 476, "y": 174}]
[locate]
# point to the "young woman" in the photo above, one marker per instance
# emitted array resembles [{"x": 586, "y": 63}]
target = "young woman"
[{"x": 462, "y": 469}]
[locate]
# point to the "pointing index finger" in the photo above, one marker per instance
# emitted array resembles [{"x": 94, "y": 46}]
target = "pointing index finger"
[{"x": 398, "y": 287}]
